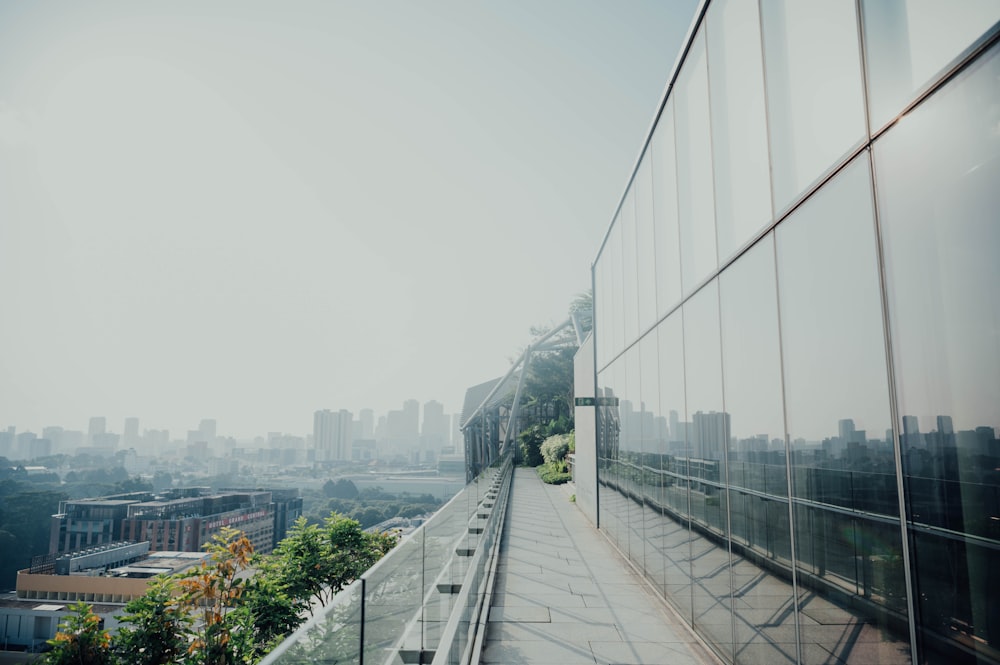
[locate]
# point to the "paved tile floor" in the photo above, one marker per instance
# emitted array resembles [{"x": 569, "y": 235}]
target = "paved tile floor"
[{"x": 564, "y": 595}]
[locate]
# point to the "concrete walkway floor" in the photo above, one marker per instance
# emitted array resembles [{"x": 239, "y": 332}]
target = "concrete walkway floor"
[{"x": 563, "y": 593}]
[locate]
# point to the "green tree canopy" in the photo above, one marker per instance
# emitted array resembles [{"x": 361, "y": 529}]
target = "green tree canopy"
[
  {"x": 80, "y": 640},
  {"x": 318, "y": 561}
]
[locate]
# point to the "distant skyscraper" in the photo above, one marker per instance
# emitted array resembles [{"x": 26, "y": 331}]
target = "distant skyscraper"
[
  {"x": 207, "y": 429},
  {"x": 395, "y": 428},
  {"x": 54, "y": 434},
  {"x": 456, "y": 432},
  {"x": 156, "y": 440},
  {"x": 130, "y": 434},
  {"x": 711, "y": 432},
  {"x": 434, "y": 430},
  {"x": 25, "y": 441},
  {"x": 411, "y": 419},
  {"x": 97, "y": 428},
  {"x": 367, "y": 419},
  {"x": 7, "y": 442},
  {"x": 845, "y": 428},
  {"x": 332, "y": 435}
]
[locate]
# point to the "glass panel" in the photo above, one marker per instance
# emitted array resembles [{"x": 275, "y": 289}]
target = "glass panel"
[
  {"x": 334, "y": 636},
  {"x": 762, "y": 585},
  {"x": 632, "y": 455},
  {"x": 630, "y": 283},
  {"x": 622, "y": 479},
  {"x": 668, "y": 258},
  {"x": 616, "y": 324},
  {"x": 653, "y": 448},
  {"x": 938, "y": 171},
  {"x": 708, "y": 431},
  {"x": 676, "y": 532},
  {"x": 909, "y": 42},
  {"x": 601, "y": 306},
  {"x": 762, "y": 557},
  {"x": 609, "y": 442},
  {"x": 739, "y": 129},
  {"x": 812, "y": 66},
  {"x": 849, "y": 552},
  {"x": 695, "y": 205},
  {"x": 645, "y": 265},
  {"x": 753, "y": 372}
]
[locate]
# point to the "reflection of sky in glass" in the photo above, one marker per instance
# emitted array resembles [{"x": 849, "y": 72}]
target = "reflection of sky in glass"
[
  {"x": 739, "y": 130},
  {"x": 812, "y": 65},
  {"x": 670, "y": 341},
  {"x": 937, "y": 173},
  {"x": 653, "y": 426},
  {"x": 703, "y": 353},
  {"x": 614, "y": 264},
  {"x": 751, "y": 364},
  {"x": 908, "y": 42},
  {"x": 668, "y": 265},
  {"x": 600, "y": 312},
  {"x": 694, "y": 169},
  {"x": 831, "y": 320},
  {"x": 645, "y": 244},
  {"x": 630, "y": 285},
  {"x": 633, "y": 388}
]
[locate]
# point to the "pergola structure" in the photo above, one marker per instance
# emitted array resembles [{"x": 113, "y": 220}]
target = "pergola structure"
[{"x": 491, "y": 410}]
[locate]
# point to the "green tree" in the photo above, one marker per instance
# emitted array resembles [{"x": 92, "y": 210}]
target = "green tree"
[
  {"x": 268, "y": 613},
  {"x": 530, "y": 440},
  {"x": 26, "y": 515},
  {"x": 369, "y": 516},
  {"x": 211, "y": 592},
  {"x": 341, "y": 489},
  {"x": 315, "y": 562},
  {"x": 548, "y": 385},
  {"x": 162, "y": 480},
  {"x": 156, "y": 628},
  {"x": 80, "y": 640},
  {"x": 555, "y": 448},
  {"x": 135, "y": 484}
]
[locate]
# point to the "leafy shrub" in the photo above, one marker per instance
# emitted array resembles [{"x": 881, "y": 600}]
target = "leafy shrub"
[
  {"x": 531, "y": 441},
  {"x": 555, "y": 448},
  {"x": 554, "y": 474}
]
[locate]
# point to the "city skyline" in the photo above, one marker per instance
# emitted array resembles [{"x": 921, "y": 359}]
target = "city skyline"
[
  {"x": 255, "y": 211},
  {"x": 121, "y": 427}
]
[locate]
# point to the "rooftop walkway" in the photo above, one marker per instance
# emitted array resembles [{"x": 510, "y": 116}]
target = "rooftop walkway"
[{"x": 563, "y": 593}]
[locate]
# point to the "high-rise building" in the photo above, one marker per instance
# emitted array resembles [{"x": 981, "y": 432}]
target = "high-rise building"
[
  {"x": 96, "y": 429},
  {"x": 411, "y": 419},
  {"x": 367, "y": 419},
  {"x": 456, "y": 431},
  {"x": 434, "y": 428},
  {"x": 207, "y": 429},
  {"x": 7, "y": 441},
  {"x": 332, "y": 435},
  {"x": 54, "y": 434},
  {"x": 130, "y": 433},
  {"x": 806, "y": 254}
]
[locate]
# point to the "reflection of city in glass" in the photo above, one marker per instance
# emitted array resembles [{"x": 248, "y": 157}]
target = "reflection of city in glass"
[{"x": 797, "y": 436}]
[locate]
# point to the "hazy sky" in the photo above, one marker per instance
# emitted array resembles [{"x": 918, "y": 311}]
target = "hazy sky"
[{"x": 250, "y": 211}]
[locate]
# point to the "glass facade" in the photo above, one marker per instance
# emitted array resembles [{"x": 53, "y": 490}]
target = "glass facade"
[{"x": 797, "y": 326}]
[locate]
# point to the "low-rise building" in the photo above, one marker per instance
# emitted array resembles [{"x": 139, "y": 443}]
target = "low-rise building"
[
  {"x": 177, "y": 519},
  {"x": 105, "y": 577}
]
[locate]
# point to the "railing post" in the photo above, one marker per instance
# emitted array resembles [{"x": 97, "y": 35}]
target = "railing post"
[{"x": 361, "y": 632}]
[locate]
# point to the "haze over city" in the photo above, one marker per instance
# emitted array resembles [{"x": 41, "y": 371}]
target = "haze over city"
[{"x": 249, "y": 212}]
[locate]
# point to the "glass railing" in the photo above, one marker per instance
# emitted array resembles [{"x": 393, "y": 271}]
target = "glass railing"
[{"x": 420, "y": 603}]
